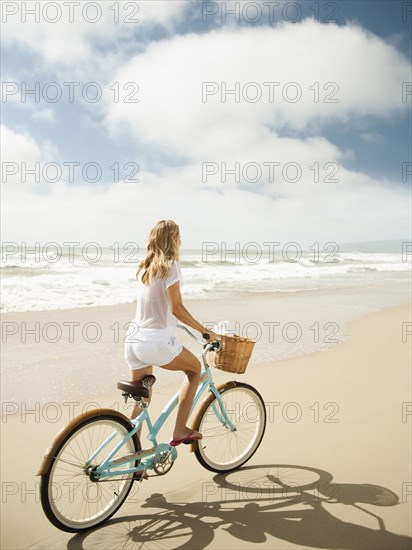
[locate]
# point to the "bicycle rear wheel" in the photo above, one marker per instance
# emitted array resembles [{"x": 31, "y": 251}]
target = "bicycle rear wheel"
[
  {"x": 70, "y": 498},
  {"x": 223, "y": 450}
]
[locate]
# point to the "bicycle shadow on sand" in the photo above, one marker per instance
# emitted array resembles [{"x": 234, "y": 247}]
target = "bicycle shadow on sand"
[{"x": 283, "y": 501}]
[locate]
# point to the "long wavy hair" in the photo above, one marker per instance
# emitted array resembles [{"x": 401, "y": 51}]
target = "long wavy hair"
[{"x": 162, "y": 248}]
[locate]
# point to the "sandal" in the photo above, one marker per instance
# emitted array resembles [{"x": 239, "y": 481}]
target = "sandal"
[{"x": 186, "y": 440}]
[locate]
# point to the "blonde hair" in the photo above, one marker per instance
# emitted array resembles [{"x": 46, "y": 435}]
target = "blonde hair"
[{"x": 162, "y": 248}]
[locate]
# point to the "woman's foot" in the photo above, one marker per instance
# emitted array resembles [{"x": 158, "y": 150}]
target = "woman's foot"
[
  {"x": 187, "y": 436},
  {"x": 185, "y": 432},
  {"x": 139, "y": 476}
]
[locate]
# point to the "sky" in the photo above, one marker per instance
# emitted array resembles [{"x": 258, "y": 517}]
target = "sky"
[{"x": 242, "y": 121}]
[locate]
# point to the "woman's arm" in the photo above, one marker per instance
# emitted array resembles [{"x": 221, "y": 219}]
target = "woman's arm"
[{"x": 181, "y": 313}]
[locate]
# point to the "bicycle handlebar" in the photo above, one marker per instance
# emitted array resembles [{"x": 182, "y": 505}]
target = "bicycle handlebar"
[
  {"x": 214, "y": 346},
  {"x": 210, "y": 345}
]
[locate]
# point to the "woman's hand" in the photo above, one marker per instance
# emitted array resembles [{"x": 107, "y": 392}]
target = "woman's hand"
[{"x": 212, "y": 335}]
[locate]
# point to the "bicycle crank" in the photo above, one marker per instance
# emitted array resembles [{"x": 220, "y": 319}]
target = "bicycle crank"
[{"x": 162, "y": 462}]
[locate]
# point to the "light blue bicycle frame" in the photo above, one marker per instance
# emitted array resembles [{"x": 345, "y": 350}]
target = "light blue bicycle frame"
[{"x": 108, "y": 468}]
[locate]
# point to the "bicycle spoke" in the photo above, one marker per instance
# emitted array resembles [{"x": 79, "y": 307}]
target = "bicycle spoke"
[
  {"x": 74, "y": 499},
  {"x": 222, "y": 449},
  {"x": 71, "y": 463}
]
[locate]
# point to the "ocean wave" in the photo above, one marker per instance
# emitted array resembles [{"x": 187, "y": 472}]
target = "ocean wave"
[{"x": 65, "y": 285}]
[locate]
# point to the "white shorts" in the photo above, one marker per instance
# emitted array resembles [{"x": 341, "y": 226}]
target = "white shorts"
[{"x": 141, "y": 354}]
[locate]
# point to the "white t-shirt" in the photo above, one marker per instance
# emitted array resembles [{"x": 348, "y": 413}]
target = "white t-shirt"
[{"x": 154, "y": 319}]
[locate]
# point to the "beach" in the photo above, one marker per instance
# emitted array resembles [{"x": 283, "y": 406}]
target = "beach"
[
  {"x": 251, "y": 162},
  {"x": 339, "y": 418}
]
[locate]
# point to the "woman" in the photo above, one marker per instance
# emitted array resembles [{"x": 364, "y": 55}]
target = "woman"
[{"x": 159, "y": 306}]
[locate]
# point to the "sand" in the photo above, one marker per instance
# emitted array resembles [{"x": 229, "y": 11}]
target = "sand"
[{"x": 339, "y": 424}]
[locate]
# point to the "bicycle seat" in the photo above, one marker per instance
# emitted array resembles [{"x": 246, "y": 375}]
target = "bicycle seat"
[{"x": 139, "y": 388}]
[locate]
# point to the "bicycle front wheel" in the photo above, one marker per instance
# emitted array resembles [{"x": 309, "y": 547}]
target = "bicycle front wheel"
[
  {"x": 221, "y": 449},
  {"x": 71, "y": 498}
]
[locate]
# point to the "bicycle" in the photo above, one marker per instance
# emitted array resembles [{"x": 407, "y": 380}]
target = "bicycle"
[{"x": 93, "y": 451}]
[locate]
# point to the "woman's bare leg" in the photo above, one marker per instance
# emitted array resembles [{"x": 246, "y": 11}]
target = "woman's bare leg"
[
  {"x": 134, "y": 376},
  {"x": 137, "y": 409},
  {"x": 190, "y": 365}
]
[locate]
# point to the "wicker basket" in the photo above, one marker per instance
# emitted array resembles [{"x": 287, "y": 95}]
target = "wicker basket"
[{"x": 234, "y": 354}]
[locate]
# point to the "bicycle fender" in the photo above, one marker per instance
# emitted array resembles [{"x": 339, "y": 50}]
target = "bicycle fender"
[
  {"x": 205, "y": 403},
  {"x": 51, "y": 451}
]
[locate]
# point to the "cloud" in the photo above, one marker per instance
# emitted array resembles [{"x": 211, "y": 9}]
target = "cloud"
[
  {"x": 21, "y": 152},
  {"x": 172, "y": 122},
  {"x": 125, "y": 213},
  {"x": 84, "y": 39},
  {"x": 46, "y": 114},
  {"x": 372, "y": 137},
  {"x": 11, "y": 95},
  {"x": 361, "y": 73},
  {"x": 356, "y": 208},
  {"x": 17, "y": 147}
]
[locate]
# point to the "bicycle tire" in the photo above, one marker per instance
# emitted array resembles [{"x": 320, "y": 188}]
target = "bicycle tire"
[
  {"x": 214, "y": 433},
  {"x": 56, "y": 516}
]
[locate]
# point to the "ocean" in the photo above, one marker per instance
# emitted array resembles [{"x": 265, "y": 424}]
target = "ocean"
[
  {"x": 61, "y": 278},
  {"x": 288, "y": 322}
]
